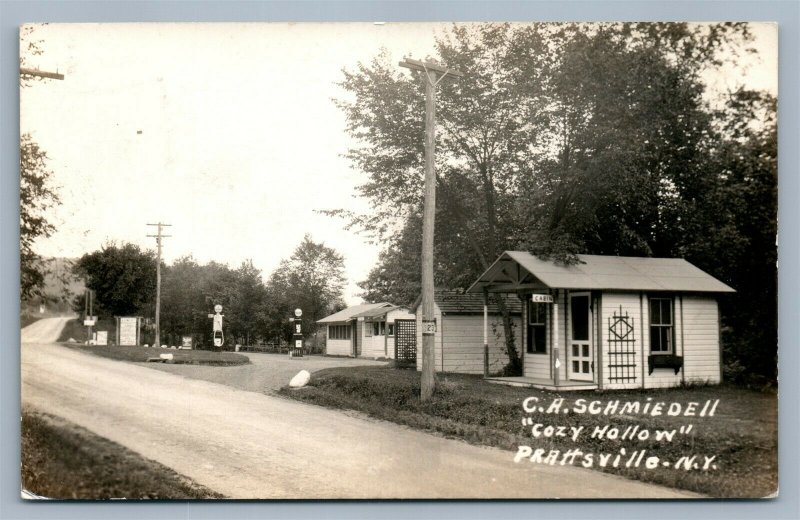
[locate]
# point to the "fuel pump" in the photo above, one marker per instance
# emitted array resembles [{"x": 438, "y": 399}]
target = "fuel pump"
[
  {"x": 219, "y": 337},
  {"x": 297, "y": 335}
]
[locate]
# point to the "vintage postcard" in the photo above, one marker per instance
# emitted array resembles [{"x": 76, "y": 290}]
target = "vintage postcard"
[{"x": 399, "y": 260}]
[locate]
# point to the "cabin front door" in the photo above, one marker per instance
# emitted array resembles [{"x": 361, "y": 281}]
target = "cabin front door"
[{"x": 581, "y": 366}]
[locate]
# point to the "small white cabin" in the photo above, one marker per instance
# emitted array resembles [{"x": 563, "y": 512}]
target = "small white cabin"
[
  {"x": 366, "y": 330},
  {"x": 611, "y": 322}
]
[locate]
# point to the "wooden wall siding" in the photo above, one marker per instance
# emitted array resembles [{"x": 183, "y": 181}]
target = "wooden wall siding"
[
  {"x": 460, "y": 339},
  {"x": 373, "y": 345},
  {"x": 381, "y": 346},
  {"x": 701, "y": 336},
  {"x": 630, "y": 304},
  {"x": 337, "y": 347}
]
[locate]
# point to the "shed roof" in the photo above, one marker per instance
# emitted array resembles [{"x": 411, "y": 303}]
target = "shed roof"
[
  {"x": 457, "y": 302},
  {"x": 376, "y": 312},
  {"x": 520, "y": 270},
  {"x": 354, "y": 311}
]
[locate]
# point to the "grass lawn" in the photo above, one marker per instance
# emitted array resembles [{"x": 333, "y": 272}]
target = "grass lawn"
[
  {"x": 64, "y": 461},
  {"x": 186, "y": 357},
  {"x": 742, "y": 434}
]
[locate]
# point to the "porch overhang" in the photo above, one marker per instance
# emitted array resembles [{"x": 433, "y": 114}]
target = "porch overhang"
[{"x": 506, "y": 275}]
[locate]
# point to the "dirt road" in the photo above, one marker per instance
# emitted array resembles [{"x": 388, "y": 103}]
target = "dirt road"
[{"x": 251, "y": 445}]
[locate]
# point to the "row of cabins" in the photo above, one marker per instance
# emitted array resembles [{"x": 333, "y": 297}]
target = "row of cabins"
[{"x": 602, "y": 323}]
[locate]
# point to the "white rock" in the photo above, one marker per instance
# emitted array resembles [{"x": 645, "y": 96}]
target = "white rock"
[
  {"x": 71, "y": 340},
  {"x": 166, "y": 356},
  {"x": 146, "y": 345},
  {"x": 163, "y": 346},
  {"x": 301, "y": 379}
]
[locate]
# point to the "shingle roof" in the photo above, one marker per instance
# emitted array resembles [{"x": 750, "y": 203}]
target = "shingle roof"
[
  {"x": 456, "y": 302},
  {"x": 599, "y": 272},
  {"x": 352, "y": 312}
]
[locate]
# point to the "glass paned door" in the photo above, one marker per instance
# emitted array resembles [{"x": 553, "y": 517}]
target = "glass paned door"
[{"x": 580, "y": 355}]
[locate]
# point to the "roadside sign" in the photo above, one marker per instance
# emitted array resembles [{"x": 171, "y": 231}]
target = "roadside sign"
[
  {"x": 101, "y": 337},
  {"x": 128, "y": 331},
  {"x": 89, "y": 323},
  {"x": 542, "y": 298},
  {"x": 186, "y": 342},
  {"x": 298, "y": 312},
  {"x": 218, "y": 308}
]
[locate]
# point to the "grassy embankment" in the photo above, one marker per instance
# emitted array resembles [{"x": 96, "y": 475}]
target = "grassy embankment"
[
  {"x": 64, "y": 461},
  {"x": 74, "y": 328},
  {"x": 742, "y": 434},
  {"x": 27, "y": 319}
]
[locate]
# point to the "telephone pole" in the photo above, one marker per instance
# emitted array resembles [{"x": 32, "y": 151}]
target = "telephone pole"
[
  {"x": 158, "y": 237},
  {"x": 434, "y": 74},
  {"x": 23, "y": 71}
]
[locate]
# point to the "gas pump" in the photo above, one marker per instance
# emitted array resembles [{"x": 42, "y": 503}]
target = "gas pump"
[
  {"x": 297, "y": 335},
  {"x": 219, "y": 338}
]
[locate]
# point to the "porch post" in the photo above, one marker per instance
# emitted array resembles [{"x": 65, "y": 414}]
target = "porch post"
[
  {"x": 485, "y": 332},
  {"x": 557, "y": 361}
]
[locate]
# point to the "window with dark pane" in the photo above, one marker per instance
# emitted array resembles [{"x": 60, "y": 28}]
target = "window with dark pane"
[
  {"x": 661, "y": 325},
  {"x": 579, "y": 310},
  {"x": 537, "y": 328}
]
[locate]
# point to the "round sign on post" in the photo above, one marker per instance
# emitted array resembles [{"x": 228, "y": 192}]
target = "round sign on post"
[
  {"x": 218, "y": 308},
  {"x": 298, "y": 312}
]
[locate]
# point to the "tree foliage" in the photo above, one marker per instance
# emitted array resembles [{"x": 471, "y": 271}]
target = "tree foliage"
[
  {"x": 36, "y": 197},
  {"x": 312, "y": 279},
  {"x": 123, "y": 278},
  {"x": 573, "y": 138}
]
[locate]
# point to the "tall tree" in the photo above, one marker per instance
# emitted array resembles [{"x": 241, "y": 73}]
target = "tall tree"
[
  {"x": 123, "y": 278},
  {"x": 488, "y": 124},
  {"x": 36, "y": 197},
  {"x": 561, "y": 139},
  {"x": 312, "y": 279}
]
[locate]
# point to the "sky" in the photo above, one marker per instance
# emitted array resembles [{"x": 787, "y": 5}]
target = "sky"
[{"x": 228, "y": 132}]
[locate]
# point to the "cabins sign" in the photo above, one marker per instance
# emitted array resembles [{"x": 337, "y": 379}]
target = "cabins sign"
[{"x": 541, "y": 298}]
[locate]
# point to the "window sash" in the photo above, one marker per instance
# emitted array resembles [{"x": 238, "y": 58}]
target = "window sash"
[
  {"x": 662, "y": 330},
  {"x": 537, "y": 328}
]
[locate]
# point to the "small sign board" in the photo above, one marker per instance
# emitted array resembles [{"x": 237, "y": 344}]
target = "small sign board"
[
  {"x": 541, "y": 298},
  {"x": 101, "y": 338},
  {"x": 128, "y": 331},
  {"x": 88, "y": 323},
  {"x": 429, "y": 327},
  {"x": 298, "y": 343},
  {"x": 186, "y": 342},
  {"x": 297, "y": 328}
]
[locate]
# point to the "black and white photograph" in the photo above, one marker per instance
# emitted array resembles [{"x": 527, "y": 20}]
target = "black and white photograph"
[{"x": 385, "y": 260}]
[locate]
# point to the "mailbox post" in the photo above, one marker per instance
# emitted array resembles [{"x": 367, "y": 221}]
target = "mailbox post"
[{"x": 296, "y": 349}]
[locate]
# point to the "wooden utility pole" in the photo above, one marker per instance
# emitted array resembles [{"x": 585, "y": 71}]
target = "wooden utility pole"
[
  {"x": 433, "y": 75},
  {"x": 158, "y": 237},
  {"x": 40, "y": 73}
]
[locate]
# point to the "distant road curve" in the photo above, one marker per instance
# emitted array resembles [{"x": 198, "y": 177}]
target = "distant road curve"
[{"x": 45, "y": 330}]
